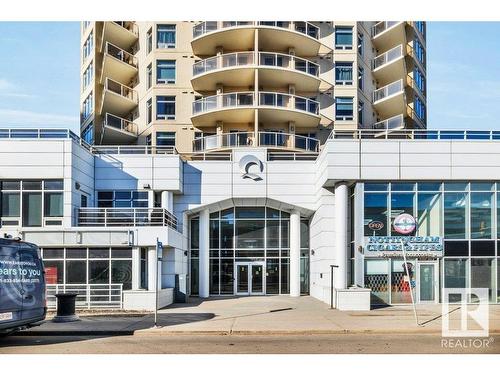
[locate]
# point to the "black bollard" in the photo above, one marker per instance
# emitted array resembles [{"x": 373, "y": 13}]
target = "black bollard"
[{"x": 65, "y": 308}]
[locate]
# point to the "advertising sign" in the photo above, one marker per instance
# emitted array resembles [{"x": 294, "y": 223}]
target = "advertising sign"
[
  {"x": 404, "y": 224},
  {"x": 415, "y": 246}
]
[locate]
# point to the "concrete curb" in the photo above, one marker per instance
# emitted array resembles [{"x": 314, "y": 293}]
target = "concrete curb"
[{"x": 73, "y": 333}]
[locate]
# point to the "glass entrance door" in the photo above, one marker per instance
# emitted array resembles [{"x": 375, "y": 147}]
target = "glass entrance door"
[
  {"x": 249, "y": 278},
  {"x": 427, "y": 282}
]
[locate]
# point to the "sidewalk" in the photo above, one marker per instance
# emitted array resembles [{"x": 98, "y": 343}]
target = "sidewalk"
[{"x": 263, "y": 315}]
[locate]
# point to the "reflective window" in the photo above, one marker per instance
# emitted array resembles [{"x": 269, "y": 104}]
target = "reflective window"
[
  {"x": 481, "y": 205},
  {"x": 429, "y": 214},
  {"x": 375, "y": 211},
  {"x": 165, "y": 71},
  {"x": 165, "y": 36},
  {"x": 343, "y": 37},
  {"x": 454, "y": 215},
  {"x": 401, "y": 203},
  {"x": 482, "y": 276}
]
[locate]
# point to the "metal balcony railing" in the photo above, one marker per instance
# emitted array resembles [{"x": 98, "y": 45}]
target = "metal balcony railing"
[
  {"x": 382, "y": 26},
  {"x": 279, "y": 60},
  {"x": 388, "y": 57},
  {"x": 120, "y": 54},
  {"x": 388, "y": 90},
  {"x": 274, "y": 99},
  {"x": 264, "y": 139},
  {"x": 89, "y": 296},
  {"x": 38, "y": 133},
  {"x": 417, "y": 134},
  {"x": 120, "y": 89},
  {"x": 302, "y": 27},
  {"x": 120, "y": 123},
  {"x": 395, "y": 122},
  {"x": 133, "y": 150},
  {"x": 214, "y": 102},
  {"x": 133, "y": 217}
]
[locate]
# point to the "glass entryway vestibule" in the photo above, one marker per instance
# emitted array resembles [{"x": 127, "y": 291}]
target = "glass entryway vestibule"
[{"x": 250, "y": 278}]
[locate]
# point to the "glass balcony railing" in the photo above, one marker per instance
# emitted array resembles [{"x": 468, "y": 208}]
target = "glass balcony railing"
[
  {"x": 231, "y": 100},
  {"x": 120, "y": 124},
  {"x": 392, "y": 123},
  {"x": 386, "y": 91},
  {"x": 274, "y": 99},
  {"x": 129, "y": 26},
  {"x": 119, "y": 89},
  {"x": 388, "y": 57},
  {"x": 302, "y": 27},
  {"x": 247, "y": 59},
  {"x": 380, "y": 27},
  {"x": 120, "y": 54}
]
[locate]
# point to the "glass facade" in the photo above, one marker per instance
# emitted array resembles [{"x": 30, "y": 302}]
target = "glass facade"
[
  {"x": 253, "y": 236},
  {"x": 465, "y": 214}
]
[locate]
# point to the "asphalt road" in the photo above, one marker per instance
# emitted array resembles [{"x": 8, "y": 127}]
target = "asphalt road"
[{"x": 269, "y": 344}]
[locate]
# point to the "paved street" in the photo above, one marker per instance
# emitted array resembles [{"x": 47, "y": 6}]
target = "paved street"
[{"x": 232, "y": 344}]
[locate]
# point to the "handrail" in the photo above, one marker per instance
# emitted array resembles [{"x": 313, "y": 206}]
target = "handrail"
[
  {"x": 416, "y": 134},
  {"x": 382, "y": 26},
  {"x": 248, "y": 139},
  {"x": 134, "y": 217},
  {"x": 247, "y": 59},
  {"x": 120, "y": 89},
  {"x": 120, "y": 54},
  {"x": 89, "y": 296},
  {"x": 134, "y": 150},
  {"x": 36, "y": 133},
  {"x": 120, "y": 123},
  {"x": 302, "y": 27},
  {"x": 387, "y": 57},
  {"x": 388, "y": 90}
]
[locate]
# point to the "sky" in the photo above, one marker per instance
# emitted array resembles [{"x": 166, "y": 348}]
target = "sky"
[{"x": 40, "y": 68}]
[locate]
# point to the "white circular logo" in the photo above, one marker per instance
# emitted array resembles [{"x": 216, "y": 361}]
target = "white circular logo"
[{"x": 404, "y": 224}]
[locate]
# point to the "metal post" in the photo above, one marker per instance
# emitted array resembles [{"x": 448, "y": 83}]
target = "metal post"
[
  {"x": 156, "y": 284},
  {"x": 332, "y": 266},
  {"x": 409, "y": 282}
]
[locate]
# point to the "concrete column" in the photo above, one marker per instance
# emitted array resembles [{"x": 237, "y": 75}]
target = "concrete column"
[
  {"x": 136, "y": 268},
  {"x": 341, "y": 244},
  {"x": 167, "y": 200},
  {"x": 204, "y": 279},
  {"x": 151, "y": 198},
  {"x": 295, "y": 254},
  {"x": 152, "y": 260}
]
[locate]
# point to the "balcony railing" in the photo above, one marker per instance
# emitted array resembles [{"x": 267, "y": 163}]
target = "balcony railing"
[
  {"x": 382, "y": 26},
  {"x": 247, "y": 59},
  {"x": 422, "y": 134},
  {"x": 264, "y": 139},
  {"x": 120, "y": 89},
  {"x": 300, "y": 103},
  {"x": 395, "y": 122},
  {"x": 120, "y": 54},
  {"x": 388, "y": 57},
  {"x": 302, "y": 27},
  {"x": 236, "y": 99},
  {"x": 38, "y": 133},
  {"x": 133, "y": 150},
  {"x": 120, "y": 124},
  {"x": 133, "y": 217},
  {"x": 388, "y": 90},
  {"x": 128, "y": 25}
]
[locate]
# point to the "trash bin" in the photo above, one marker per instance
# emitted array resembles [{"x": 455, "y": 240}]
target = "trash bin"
[{"x": 65, "y": 308}]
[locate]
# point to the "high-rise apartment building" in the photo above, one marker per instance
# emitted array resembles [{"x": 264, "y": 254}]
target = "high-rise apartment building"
[{"x": 207, "y": 86}]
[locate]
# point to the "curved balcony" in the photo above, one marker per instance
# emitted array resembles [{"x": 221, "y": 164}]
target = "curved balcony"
[
  {"x": 273, "y": 36},
  {"x": 239, "y": 107},
  {"x": 390, "y": 65},
  {"x": 237, "y": 70},
  {"x": 118, "y": 130},
  {"x": 387, "y": 34},
  {"x": 118, "y": 98},
  {"x": 274, "y": 140},
  {"x": 120, "y": 33},
  {"x": 118, "y": 64},
  {"x": 390, "y": 100}
]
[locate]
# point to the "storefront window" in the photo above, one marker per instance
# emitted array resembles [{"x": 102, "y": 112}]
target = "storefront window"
[
  {"x": 376, "y": 210},
  {"x": 455, "y": 275},
  {"x": 272, "y": 276},
  {"x": 429, "y": 214},
  {"x": 481, "y": 214},
  {"x": 400, "y": 284},
  {"x": 401, "y": 203},
  {"x": 482, "y": 276},
  {"x": 377, "y": 279},
  {"x": 455, "y": 215}
]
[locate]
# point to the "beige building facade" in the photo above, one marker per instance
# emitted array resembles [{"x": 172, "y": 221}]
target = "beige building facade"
[{"x": 209, "y": 86}]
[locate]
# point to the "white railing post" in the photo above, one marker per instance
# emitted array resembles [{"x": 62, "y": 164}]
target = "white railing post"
[{"x": 88, "y": 296}]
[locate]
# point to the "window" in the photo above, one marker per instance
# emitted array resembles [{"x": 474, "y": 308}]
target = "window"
[
  {"x": 165, "y": 107},
  {"x": 149, "y": 41},
  {"x": 88, "y": 133},
  {"x": 165, "y": 139},
  {"x": 86, "y": 24},
  {"x": 419, "y": 79},
  {"x": 361, "y": 76},
  {"x": 454, "y": 215},
  {"x": 88, "y": 46},
  {"x": 165, "y": 71},
  {"x": 149, "y": 111},
  {"x": 87, "y": 76},
  {"x": 122, "y": 198},
  {"x": 360, "y": 112},
  {"x": 376, "y": 210},
  {"x": 419, "y": 51},
  {"x": 149, "y": 76},
  {"x": 360, "y": 44},
  {"x": 165, "y": 36},
  {"x": 420, "y": 26},
  {"x": 419, "y": 109},
  {"x": 481, "y": 204},
  {"x": 88, "y": 106},
  {"x": 343, "y": 108},
  {"x": 429, "y": 214},
  {"x": 343, "y": 37},
  {"x": 343, "y": 73}
]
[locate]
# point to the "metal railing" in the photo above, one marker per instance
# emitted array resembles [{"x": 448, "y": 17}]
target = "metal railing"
[
  {"x": 277, "y": 156},
  {"x": 387, "y": 57},
  {"x": 417, "y": 134},
  {"x": 392, "y": 123},
  {"x": 128, "y": 25},
  {"x": 264, "y": 139},
  {"x": 120, "y": 54},
  {"x": 247, "y": 59},
  {"x": 120, "y": 124},
  {"x": 22, "y": 133},
  {"x": 235, "y": 99},
  {"x": 302, "y": 27},
  {"x": 300, "y": 103},
  {"x": 133, "y": 217},
  {"x": 133, "y": 149},
  {"x": 89, "y": 296},
  {"x": 120, "y": 89},
  {"x": 388, "y": 90},
  {"x": 382, "y": 26}
]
